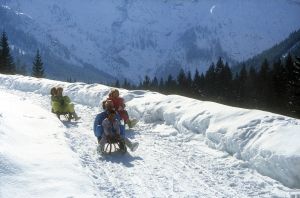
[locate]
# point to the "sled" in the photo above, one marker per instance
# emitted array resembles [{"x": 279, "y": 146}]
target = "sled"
[
  {"x": 113, "y": 144},
  {"x": 67, "y": 115}
]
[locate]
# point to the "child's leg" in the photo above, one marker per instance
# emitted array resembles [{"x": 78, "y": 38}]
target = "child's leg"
[
  {"x": 103, "y": 141},
  {"x": 70, "y": 108},
  {"x": 132, "y": 146},
  {"x": 124, "y": 115}
]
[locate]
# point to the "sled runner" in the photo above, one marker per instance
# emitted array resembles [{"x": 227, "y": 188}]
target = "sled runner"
[
  {"x": 113, "y": 144},
  {"x": 68, "y": 116}
]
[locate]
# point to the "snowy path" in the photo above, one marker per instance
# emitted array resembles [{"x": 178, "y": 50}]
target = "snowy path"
[{"x": 167, "y": 164}]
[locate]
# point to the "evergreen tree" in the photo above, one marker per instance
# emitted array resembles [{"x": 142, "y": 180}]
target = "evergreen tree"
[
  {"x": 226, "y": 87},
  {"x": 7, "y": 65},
  {"x": 182, "y": 82},
  {"x": 241, "y": 85},
  {"x": 126, "y": 84},
  {"x": 161, "y": 86},
  {"x": 219, "y": 66},
  {"x": 210, "y": 82},
  {"x": 202, "y": 85},
  {"x": 154, "y": 84},
  {"x": 37, "y": 68},
  {"x": 196, "y": 84},
  {"x": 219, "y": 80},
  {"x": 146, "y": 84},
  {"x": 264, "y": 81},
  {"x": 279, "y": 83},
  {"x": 170, "y": 85},
  {"x": 117, "y": 84},
  {"x": 189, "y": 82},
  {"x": 251, "y": 94},
  {"x": 295, "y": 89},
  {"x": 289, "y": 66}
]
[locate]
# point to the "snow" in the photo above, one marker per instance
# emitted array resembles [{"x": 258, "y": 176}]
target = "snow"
[
  {"x": 6, "y": 7},
  {"x": 23, "y": 14},
  {"x": 187, "y": 147},
  {"x": 268, "y": 142},
  {"x": 212, "y": 9},
  {"x": 34, "y": 158},
  {"x": 134, "y": 38}
]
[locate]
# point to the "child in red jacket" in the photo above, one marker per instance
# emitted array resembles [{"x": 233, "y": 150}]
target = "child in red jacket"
[{"x": 119, "y": 106}]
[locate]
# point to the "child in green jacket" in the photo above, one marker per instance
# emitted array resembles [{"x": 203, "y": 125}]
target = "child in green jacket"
[{"x": 62, "y": 104}]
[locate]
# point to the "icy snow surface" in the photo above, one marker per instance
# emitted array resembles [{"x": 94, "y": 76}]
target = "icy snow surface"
[{"x": 187, "y": 147}]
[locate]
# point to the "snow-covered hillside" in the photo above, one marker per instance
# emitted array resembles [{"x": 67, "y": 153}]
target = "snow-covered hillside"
[
  {"x": 187, "y": 147},
  {"x": 132, "y": 38}
]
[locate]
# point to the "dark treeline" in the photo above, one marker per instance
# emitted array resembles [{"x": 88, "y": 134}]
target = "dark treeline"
[
  {"x": 7, "y": 65},
  {"x": 274, "y": 88}
]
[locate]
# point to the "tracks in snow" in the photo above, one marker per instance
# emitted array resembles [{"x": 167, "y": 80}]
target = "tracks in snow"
[{"x": 167, "y": 163}]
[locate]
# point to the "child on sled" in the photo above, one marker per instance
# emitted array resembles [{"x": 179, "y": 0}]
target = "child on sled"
[
  {"x": 62, "y": 104},
  {"x": 119, "y": 106}
]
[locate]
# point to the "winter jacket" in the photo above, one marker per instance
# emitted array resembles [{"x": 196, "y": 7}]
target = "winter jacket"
[
  {"x": 98, "y": 128},
  {"x": 118, "y": 103},
  {"x": 111, "y": 128},
  {"x": 119, "y": 106},
  {"x": 61, "y": 104}
]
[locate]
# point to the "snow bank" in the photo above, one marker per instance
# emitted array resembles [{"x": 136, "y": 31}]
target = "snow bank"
[
  {"x": 267, "y": 141},
  {"x": 35, "y": 163}
]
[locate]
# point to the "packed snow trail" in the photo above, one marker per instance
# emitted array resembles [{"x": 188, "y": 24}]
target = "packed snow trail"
[{"x": 167, "y": 163}]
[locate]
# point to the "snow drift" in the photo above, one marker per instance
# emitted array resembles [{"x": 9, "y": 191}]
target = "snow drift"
[
  {"x": 267, "y": 142},
  {"x": 36, "y": 163}
]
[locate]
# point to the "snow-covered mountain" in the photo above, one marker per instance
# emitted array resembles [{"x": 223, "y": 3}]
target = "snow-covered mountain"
[{"x": 132, "y": 38}]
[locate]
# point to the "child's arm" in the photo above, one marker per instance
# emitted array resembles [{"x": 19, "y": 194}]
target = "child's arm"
[{"x": 121, "y": 104}]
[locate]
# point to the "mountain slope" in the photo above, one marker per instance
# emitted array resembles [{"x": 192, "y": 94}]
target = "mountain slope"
[
  {"x": 55, "y": 56},
  {"x": 131, "y": 38},
  {"x": 279, "y": 51}
]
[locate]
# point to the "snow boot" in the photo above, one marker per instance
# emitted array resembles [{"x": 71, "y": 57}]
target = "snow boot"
[
  {"x": 131, "y": 123},
  {"x": 132, "y": 146},
  {"x": 75, "y": 116},
  {"x": 101, "y": 145}
]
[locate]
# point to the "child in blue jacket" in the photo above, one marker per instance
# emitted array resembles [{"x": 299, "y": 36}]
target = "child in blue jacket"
[{"x": 102, "y": 120}]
